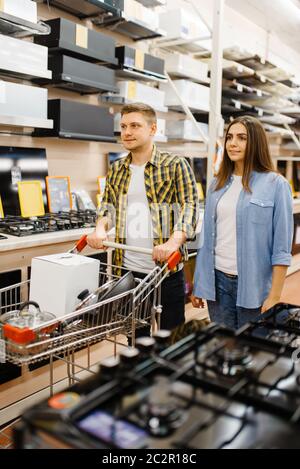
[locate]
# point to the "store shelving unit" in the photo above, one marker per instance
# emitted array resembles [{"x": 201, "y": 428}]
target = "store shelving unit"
[
  {"x": 130, "y": 27},
  {"x": 18, "y": 27},
  {"x": 109, "y": 15}
]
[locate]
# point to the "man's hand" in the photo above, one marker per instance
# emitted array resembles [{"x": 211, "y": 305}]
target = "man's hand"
[
  {"x": 95, "y": 239},
  {"x": 162, "y": 252},
  {"x": 197, "y": 302},
  {"x": 269, "y": 302}
]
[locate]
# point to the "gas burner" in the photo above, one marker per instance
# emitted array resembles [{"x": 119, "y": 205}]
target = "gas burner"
[
  {"x": 50, "y": 222},
  {"x": 294, "y": 319},
  {"x": 280, "y": 336},
  {"x": 233, "y": 360},
  {"x": 161, "y": 413}
]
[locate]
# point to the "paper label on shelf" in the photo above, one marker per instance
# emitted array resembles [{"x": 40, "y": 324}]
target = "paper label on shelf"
[
  {"x": 81, "y": 36},
  {"x": 240, "y": 88},
  {"x": 2, "y": 92},
  {"x": 238, "y": 105},
  {"x": 131, "y": 93},
  {"x": 259, "y": 93},
  {"x": 139, "y": 59}
]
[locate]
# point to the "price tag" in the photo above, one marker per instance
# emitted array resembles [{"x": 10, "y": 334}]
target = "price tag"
[
  {"x": 259, "y": 93},
  {"x": 240, "y": 88},
  {"x": 1, "y": 209}
]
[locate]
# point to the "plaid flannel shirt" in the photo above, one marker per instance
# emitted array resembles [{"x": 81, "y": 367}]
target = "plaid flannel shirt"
[{"x": 171, "y": 192}]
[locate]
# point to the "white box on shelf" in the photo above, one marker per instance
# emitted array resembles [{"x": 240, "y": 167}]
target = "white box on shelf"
[
  {"x": 24, "y": 9},
  {"x": 58, "y": 279},
  {"x": 23, "y": 57},
  {"x": 186, "y": 66},
  {"x": 136, "y": 10},
  {"x": 185, "y": 129},
  {"x": 194, "y": 95},
  {"x": 24, "y": 105},
  {"x": 182, "y": 24},
  {"x": 161, "y": 130},
  {"x": 135, "y": 91}
]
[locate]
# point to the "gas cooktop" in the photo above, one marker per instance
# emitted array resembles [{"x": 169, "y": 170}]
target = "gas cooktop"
[
  {"x": 51, "y": 222},
  {"x": 215, "y": 388}
]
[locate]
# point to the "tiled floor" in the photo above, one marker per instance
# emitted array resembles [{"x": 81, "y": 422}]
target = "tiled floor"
[{"x": 291, "y": 294}]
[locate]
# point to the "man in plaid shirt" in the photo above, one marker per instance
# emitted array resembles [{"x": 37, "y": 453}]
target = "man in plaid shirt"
[{"x": 151, "y": 198}]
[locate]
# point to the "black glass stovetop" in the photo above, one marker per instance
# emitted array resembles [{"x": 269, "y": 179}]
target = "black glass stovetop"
[{"x": 215, "y": 388}]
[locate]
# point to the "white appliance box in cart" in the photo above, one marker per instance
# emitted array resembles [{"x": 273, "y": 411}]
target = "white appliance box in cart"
[{"x": 57, "y": 280}]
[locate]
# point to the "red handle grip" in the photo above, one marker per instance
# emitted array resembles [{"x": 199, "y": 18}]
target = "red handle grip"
[
  {"x": 81, "y": 244},
  {"x": 174, "y": 260}
]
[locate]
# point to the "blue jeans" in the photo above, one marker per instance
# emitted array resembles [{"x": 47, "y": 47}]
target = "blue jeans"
[{"x": 224, "y": 310}]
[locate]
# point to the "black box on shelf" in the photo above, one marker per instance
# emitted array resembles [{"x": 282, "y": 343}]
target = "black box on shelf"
[
  {"x": 78, "y": 121},
  {"x": 137, "y": 60},
  {"x": 78, "y": 41},
  {"x": 78, "y": 75},
  {"x": 89, "y": 8}
]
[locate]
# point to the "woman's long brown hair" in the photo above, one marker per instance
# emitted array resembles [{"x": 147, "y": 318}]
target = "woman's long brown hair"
[{"x": 257, "y": 156}]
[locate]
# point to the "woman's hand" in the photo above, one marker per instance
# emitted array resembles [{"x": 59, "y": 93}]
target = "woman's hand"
[
  {"x": 269, "y": 302},
  {"x": 197, "y": 302}
]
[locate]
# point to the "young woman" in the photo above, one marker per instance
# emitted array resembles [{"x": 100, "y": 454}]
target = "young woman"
[{"x": 246, "y": 238}]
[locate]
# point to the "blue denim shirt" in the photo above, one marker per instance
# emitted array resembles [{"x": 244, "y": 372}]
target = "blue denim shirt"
[{"x": 264, "y": 230}]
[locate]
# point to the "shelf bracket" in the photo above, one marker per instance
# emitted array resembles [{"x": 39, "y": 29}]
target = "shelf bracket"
[
  {"x": 198, "y": 13},
  {"x": 187, "y": 110},
  {"x": 293, "y": 135}
]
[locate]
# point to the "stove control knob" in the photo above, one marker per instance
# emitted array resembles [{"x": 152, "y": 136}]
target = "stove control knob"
[
  {"x": 129, "y": 357},
  {"x": 109, "y": 367},
  {"x": 145, "y": 345},
  {"x": 162, "y": 338}
]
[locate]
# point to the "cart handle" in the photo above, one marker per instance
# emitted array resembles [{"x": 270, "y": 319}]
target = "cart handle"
[
  {"x": 80, "y": 245},
  {"x": 172, "y": 262}
]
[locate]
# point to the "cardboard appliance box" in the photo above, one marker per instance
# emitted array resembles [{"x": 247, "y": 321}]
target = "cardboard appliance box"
[{"x": 57, "y": 280}]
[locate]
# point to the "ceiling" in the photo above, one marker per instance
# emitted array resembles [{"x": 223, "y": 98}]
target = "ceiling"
[{"x": 281, "y": 17}]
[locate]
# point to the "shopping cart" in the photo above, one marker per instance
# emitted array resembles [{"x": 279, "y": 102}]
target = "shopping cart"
[{"x": 91, "y": 323}]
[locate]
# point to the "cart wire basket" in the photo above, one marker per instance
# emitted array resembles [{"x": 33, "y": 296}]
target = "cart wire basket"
[{"x": 96, "y": 319}]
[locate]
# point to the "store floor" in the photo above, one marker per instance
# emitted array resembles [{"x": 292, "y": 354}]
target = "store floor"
[{"x": 291, "y": 294}]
